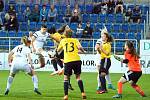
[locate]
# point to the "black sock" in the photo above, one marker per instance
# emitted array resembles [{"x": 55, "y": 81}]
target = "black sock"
[
  {"x": 54, "y": 63},
  {"x": 103, "y": 82},
  {"x": 80, "y": 84},
  {"x": 66, "y": 87},
  {"x": 60, "y": 63}
]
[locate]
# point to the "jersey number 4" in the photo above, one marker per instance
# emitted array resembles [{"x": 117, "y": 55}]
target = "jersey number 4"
[
  {"x": 69, "y": 47},
  {"x": 19, "y": 49}
]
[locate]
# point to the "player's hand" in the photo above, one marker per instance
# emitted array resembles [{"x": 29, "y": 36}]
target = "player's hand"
[
  {"x": 118, "y": 58},
  {"x": 33, "y": 50}
]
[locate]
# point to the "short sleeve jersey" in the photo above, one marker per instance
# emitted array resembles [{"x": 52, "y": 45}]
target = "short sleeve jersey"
[{"x": 70, "y": 47}]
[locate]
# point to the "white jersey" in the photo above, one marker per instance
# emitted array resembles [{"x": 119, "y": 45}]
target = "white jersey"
[
  {"x": 99, "y": 41},
  {"x": 40, "y": 39},
  {"x": 20, "y": 54}
]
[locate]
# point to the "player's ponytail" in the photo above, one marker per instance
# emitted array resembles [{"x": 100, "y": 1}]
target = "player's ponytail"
[
  {"x": 132, "y": 49},
  {"x": 25, "y": 40}
]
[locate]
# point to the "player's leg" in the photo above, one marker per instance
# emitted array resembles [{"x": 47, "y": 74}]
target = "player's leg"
[
  {"x": 134, "y": 78},
  {"x": 11, "y": 76},
  {"x": 120, "y": 85},
  {"x": 54, "y": 63},
  {"x": 110, "y": 86},
  {"x": 98, "y": 79},
  {"x": 31, "y": 72},
  {"x": 77, "y": 72}
]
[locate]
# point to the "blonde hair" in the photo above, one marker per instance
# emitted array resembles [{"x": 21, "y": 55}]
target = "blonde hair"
[{"x": 25, "y": 40}]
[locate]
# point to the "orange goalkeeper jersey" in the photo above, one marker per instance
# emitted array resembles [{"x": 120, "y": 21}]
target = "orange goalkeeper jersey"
[{"x": 133, "y": 63}]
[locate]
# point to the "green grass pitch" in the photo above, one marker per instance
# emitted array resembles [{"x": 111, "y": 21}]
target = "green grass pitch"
[{"x": 52, "y": 87}]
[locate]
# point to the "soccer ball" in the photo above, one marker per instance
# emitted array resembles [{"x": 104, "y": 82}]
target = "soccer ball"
[{"x": 52, "y": 54}]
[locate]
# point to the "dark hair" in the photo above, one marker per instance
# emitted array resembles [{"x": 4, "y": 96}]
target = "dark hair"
[
  {"x": 110, "y": 38},
  {"x": 52, "y": 30},
  {"x": 132, "y": 50},
  {"x": 62, "y": 29},
  {"x": 43, "y": 26}
]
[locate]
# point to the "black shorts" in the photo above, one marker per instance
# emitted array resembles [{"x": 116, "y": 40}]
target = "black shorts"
[
  {"x": 60, "y": 55},
  {"x": 131, "y": 75},
  {"x": 72, "y": 66},
  {"x": 105, "y": 65}
]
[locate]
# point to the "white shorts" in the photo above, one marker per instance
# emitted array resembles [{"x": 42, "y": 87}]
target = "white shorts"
[{"x": 16, "y": 67}]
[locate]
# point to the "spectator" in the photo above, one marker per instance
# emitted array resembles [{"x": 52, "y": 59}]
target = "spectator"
[
  {"x": 136, "y": 15},
  {"x": 76, "y": 8},
  {"x": 111, "y": 6},
  {"x": 6, "y": 20},
  {"x": 88, "y": 31},
  {"x": 75, "y": 18},
  {"x": 35, "y": 13},
  {"x": 27, "y": 14},
  {"x": 52, "y": 14},
  {"x": 128, "y": 15},
  {"x": 119, "y": 7},
  {"x": 13, "y": 23},
  {"x": 43, "y": 14},
  {"x": 96, "y": 8},
  {"x": 11, "y": 10},
  {"x": 1, "y": 6},
  {"x": 67, "y": 16},
  {"x": 104, "y": 8},
  {"x": 79, "y": 30}
]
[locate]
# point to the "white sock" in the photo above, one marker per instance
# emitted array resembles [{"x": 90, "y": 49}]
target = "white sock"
[
  {"x": 9, "y": 82},
  {"x": 108, "y": 79},
  {"x": 35, "y": 81},
  {"x": 98, "y": 81}
]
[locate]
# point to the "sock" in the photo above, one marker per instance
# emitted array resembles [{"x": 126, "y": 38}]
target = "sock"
[
  {"x": 80, "y": 84},
  {"x": 103, "y": 83},
  {"x": 9, "y": 82},
  {"x": 35, "y": 81},
  {"x": 69, "y": 81},
  {"x": 60, "y": 63},
  {"x": 138, "y": 89},
  {"x": 98, "y": 81},
  {"x": 66, "y": 87},
  {"x": 120, "y": 87},
  {"x": 108, "y": 79},
  {"x": 54, "y": 63}
]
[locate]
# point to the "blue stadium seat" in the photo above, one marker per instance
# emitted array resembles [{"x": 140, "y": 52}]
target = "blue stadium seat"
[
  {"x": 119, "y": 46},
  {"x": 102, "y": 18},
  {"x": 116, "y": 27},
  {"x": 3, "y": 34},
  {"x": 60, "y": 18},
  {"x": 125, "y": 27},
  {"x": 143, "y": 18},
  {"x": 26, "y": 33},
  {"x": 58, "y": 25},
  {"x": 94, "y": 18},
  {"x": 49, "y": 24},
  {"x": 98, "y": 26},
  {"x": 145, "y": 9},
  {"x": 73, "y": 26},
  {"x": 131, "y": 6},
  {"x": 133, "y": 27},
  {"x": 110, "y": 18},
  {"x": 85, "y": 18},
  {"x": 19, "y": 34},
  {"x": 32, "y": 26},
  {"x": 88, "y": 8},
  {"x": 20, "y": 17},
  {"x": 131, "y": 35},
  {"x": 23, "y": 26},
  {"x": 122, "y": 35},
  {"x": 140, "y": 27},
  {"x": 109, "y": 27},
  {"x": 12, "y": 34},
  {"x": 17, "y": 8},
  {"x": 84, "y": 44},
  {"x": 23, "y": 7},
  {"x": 138, "y": 36},
  {"x": 119, "y": 18},
  {"x": 96, "y": 35},
  {"x": 63, "y": 9},
  {"x": 82, "y": 8},
  {"x": 114, "y": 35}
]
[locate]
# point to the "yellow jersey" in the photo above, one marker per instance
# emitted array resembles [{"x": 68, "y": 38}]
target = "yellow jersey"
[
  {"x": 107, "y": 47},
  {"x": 70, "y": 47}
]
